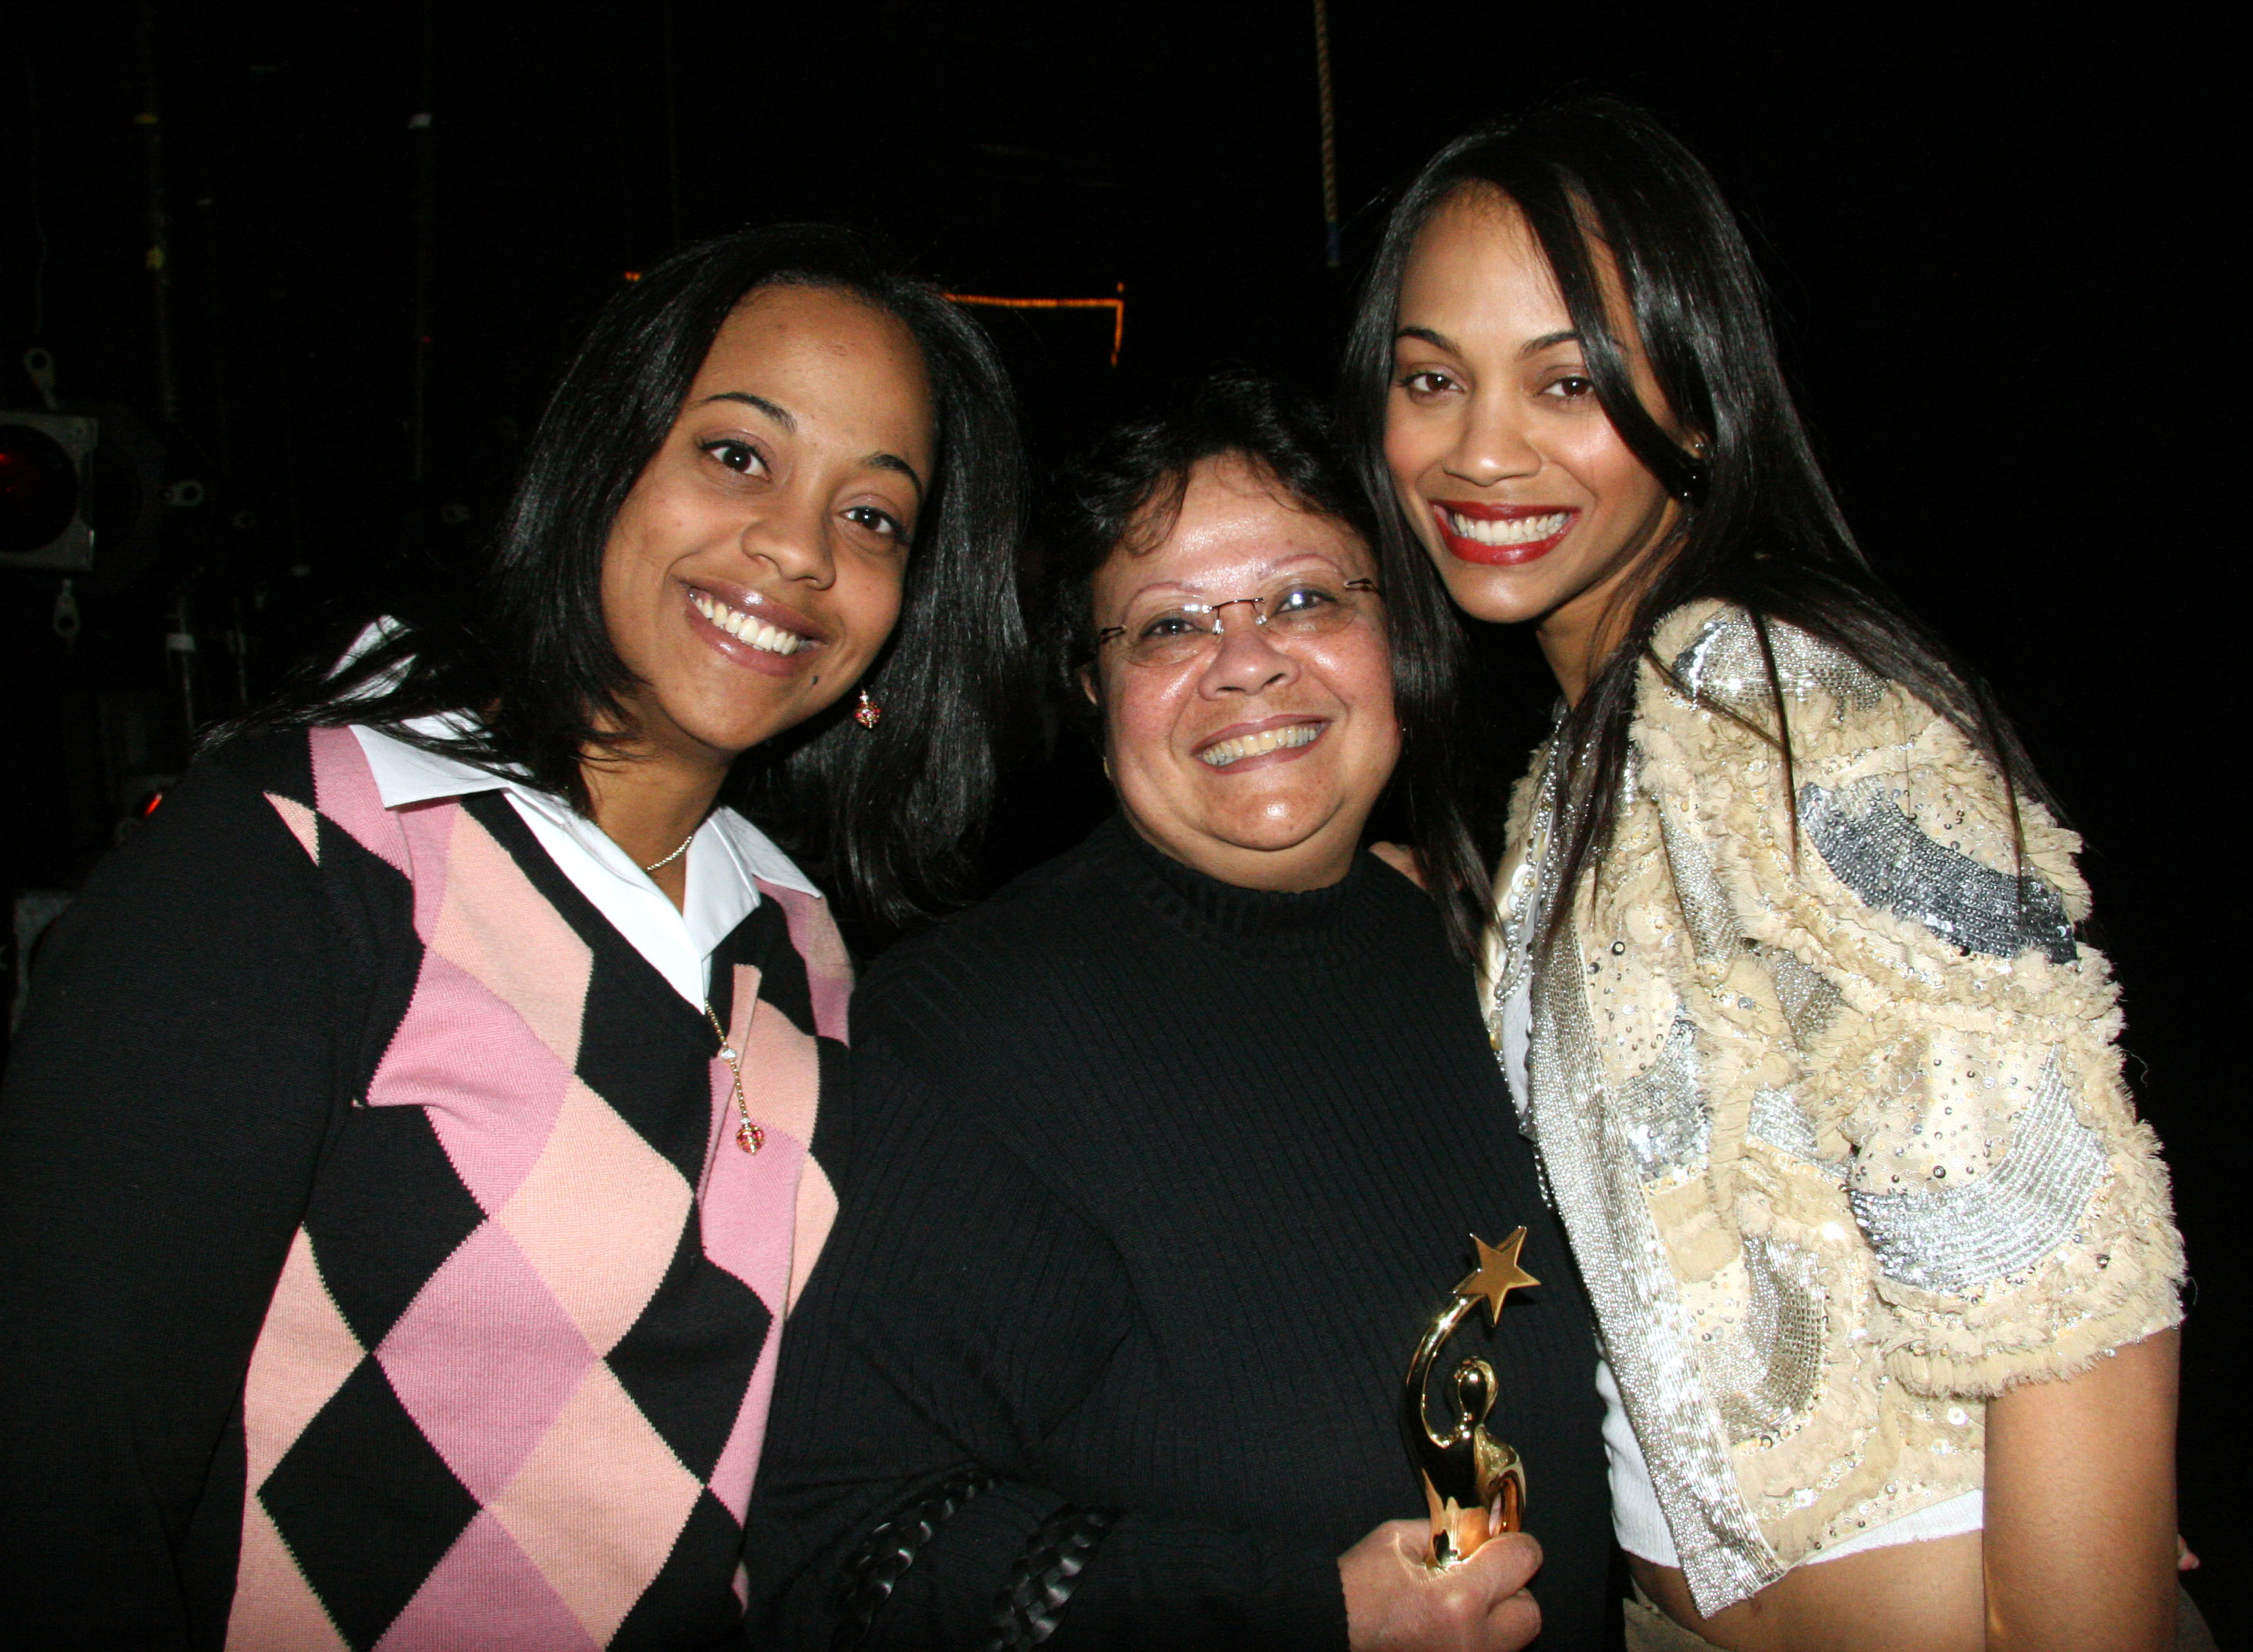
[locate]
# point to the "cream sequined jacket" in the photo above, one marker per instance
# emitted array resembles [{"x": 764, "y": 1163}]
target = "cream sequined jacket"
[{"x": 1837, "y": 1126}]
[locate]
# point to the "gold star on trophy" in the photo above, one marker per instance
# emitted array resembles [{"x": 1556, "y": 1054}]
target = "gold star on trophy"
[
  {"x": 1474, "y": 1484},
  {"x": 1497, "y": 1273}
]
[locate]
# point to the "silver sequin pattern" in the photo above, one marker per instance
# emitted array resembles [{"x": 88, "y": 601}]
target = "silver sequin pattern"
[
  {"x": 1705, "y": 908},
  {"x": 1777, "y": 1119},
  {"x": 1525, "y": 909},
  {"x": 1662, "y": 1109},
  {"x": 2009, "y": 1220},
  {"x": 1723, "y": 663},
  {"x": 1876, "y": 850},
  {"x": 1809, "y": 1002},
  {"x": 1648, "y": 1332},
  {"x": 1768, "y": 1374}
]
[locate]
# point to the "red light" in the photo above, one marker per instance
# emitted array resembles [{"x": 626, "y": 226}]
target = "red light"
[
  {"x": 150, "y": 807},
  {"x": 39, "y": 488}
]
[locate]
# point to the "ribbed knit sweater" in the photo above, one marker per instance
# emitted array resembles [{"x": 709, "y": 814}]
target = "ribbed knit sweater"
[{"x": 1148, "y": 1186}]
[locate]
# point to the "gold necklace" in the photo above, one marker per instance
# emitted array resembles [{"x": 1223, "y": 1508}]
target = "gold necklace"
[{"x": 748, "y": 1136}]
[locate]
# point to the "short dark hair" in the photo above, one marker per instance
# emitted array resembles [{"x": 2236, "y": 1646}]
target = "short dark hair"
[
  {"x": 1125, "y": 491},
  {"x": 887, "y": 815},
  {"x": 1760, "y": 528}
]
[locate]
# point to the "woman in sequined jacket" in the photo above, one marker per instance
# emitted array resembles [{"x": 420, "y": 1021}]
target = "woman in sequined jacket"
[{"x": 1781, "y": 956}]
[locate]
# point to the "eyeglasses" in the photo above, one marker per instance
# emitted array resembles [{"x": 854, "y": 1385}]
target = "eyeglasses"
[{"x": 1174, "y": 633}]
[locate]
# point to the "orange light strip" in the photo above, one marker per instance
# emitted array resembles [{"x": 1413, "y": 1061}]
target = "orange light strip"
[{"x": 1116, "y": 306}]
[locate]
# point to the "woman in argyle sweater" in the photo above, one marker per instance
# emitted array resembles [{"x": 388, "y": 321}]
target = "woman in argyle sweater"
[{"x": 413, "y": 1145}]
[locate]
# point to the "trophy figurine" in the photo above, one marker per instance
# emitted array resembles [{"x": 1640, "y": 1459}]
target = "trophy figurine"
[{"x": 1474, "y": 1484}]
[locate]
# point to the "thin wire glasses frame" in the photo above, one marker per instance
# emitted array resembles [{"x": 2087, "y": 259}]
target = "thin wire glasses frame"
[{"x": 1181, "y": 631}]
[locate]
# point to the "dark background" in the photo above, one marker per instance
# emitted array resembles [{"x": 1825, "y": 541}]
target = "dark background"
[{"x": 1989, "y": 239}]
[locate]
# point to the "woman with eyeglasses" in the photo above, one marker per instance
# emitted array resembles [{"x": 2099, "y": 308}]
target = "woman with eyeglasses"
[
  {"x": 1157, "y": 1165},
  {"x": 1782, "y": 954},
  {"x": 415, "y": 1140}
]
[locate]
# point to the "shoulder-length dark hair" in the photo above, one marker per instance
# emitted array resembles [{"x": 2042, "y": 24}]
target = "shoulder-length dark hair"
[
  {"x": 886, "y": 815},
  {"x": 1759, "y": 528}
]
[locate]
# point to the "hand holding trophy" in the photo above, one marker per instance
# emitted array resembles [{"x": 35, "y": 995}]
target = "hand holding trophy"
[
  {"x": 1474, "y": 1484},
  {"x": 1474, "y": 1492}
]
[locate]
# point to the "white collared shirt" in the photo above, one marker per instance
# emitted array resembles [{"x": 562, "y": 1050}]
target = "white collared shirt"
[{"x": 724, "y": 857}]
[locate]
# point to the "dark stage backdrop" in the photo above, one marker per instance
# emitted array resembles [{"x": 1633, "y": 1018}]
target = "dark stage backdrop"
[{"x": 1988, "y": 229}]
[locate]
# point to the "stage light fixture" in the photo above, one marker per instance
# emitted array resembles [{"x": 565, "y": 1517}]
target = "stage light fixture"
[
  {"x": 82, "y": 492},
  {"x": 46, "y": 507}
]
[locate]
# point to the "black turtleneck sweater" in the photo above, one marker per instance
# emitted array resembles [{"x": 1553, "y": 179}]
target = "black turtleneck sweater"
[{"x": 1148, "y": 1186}]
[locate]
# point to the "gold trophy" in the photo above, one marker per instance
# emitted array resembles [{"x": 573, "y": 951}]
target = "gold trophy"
[{"x": 1474, "y": 1484}]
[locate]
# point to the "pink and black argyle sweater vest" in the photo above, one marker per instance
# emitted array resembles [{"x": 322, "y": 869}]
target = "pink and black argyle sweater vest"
[{"x": 511, "y": 1389}]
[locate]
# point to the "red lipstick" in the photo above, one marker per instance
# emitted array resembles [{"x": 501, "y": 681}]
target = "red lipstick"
[{"x": 1470, "y": 550}]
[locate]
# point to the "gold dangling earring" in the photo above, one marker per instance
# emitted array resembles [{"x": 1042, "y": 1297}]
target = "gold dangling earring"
[{"x": 870, "y": 714}]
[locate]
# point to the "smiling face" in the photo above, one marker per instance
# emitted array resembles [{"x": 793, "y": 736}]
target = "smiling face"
[
  {"x": 756, "y": 568},
  {"x": 1257, "y": 760},
  {"x": 1523, "y": 494}
]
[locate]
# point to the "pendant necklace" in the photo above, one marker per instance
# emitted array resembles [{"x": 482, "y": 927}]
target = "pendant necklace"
[{"x": 748, "y": 1136}]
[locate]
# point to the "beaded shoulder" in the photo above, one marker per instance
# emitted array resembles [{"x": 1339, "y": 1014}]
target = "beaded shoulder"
[{"x": 1712, "y": 652}]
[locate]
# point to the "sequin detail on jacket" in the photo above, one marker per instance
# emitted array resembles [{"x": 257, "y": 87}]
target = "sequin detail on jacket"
[{"x": 1831, "y": 1105}]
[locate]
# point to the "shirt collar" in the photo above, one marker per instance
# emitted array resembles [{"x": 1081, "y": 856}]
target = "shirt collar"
[{"x": 406, "y": 774}]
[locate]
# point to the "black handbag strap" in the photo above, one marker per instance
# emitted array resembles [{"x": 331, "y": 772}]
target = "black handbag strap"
[
  {"x": 1046, "y": 1574},
  {"x": 889, "y": 1550}
]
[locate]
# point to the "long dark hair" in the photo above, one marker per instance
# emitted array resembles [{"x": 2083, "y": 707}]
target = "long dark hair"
[
  {"x": 1760, "y": 527},
  {"x": 886, "y": 815}
]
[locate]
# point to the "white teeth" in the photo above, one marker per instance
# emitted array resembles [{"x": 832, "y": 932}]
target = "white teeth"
[
  {"x": 746, "y": 628},
  {"x": 1228, "y": 751},
  {"x": 1523, "y": 530}
]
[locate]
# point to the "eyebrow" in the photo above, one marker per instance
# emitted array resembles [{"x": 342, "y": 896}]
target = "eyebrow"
[
  {"x": 788, "y": 421},
  {"x": 893, "y": 462},
  {"x": 1530, "y": 347},
  {"x": 779, "y": 414},
  {"x": 1275, "y": 570}
]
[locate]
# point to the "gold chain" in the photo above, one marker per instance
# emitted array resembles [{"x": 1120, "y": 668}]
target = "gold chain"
[{"x": 748, "y": 1136}]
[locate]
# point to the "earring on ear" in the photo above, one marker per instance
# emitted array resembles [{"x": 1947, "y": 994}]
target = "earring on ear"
[{"x": 870, "y": 714}]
